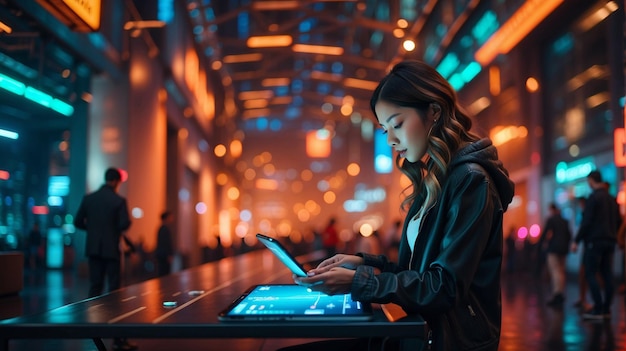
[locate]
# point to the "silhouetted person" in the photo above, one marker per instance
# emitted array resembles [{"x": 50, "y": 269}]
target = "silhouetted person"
[
  {"x": 34, "y": 244},
  {"x": 556, "y": 235},
  {"x": 598, "y": 232},
  {"x": 104, "y": 215},
  {"x": 165, "y": 245},
  {"x": 509, "y": 241}
]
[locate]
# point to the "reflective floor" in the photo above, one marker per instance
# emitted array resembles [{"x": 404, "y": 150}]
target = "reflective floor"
[{"x": 528, "y": 323}]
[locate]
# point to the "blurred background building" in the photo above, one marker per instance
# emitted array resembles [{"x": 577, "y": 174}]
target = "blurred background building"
[{"x": 246, "y": 116}]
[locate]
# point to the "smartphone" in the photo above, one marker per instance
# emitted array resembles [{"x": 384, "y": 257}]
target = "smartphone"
[{"x": 283, "y": 255}]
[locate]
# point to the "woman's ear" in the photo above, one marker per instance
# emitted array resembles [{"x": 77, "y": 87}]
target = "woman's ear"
[{"x": 436, "y": 111}]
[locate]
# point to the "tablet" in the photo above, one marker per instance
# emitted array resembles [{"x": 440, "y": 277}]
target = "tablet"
[
  {"x": 290, "y": 302},
  {"x": 285, "y": 257}
]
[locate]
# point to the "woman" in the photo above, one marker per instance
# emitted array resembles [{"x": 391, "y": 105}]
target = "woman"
[{"x": 450, "y": 256}]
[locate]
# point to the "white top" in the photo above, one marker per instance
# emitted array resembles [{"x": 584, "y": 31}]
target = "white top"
[{"x": 412, "y": 230}]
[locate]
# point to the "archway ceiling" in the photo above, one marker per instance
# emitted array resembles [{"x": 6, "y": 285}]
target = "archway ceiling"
[{"x": 366, "y": 32}]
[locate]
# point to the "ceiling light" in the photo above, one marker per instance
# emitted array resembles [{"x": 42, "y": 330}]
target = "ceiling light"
[
  {"x": 256, "y": 94},
  {"x": 522, "y": 22},
  {"x": 275, "y": 5},
  {"x": 9, "y": 134},
  {"x": 5, "y": 28},
  {"x": 360, "y": 83},
  {"x": 255, "y": 103},
  {"x": 143, "y": 24},
  {"x": 597, "y": 16},
  {"x": 408, "y": 45},
  {"x": 269, "y": 41},
  {"x": 275, "y": 82},
  {"x": 243, "y": 58},
  {"x": 318, "y": 49}
]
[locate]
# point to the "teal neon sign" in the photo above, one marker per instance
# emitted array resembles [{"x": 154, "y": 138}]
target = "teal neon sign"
[
  {"x": 18, "y": 88},
  {"x": 576, "y": 170}
]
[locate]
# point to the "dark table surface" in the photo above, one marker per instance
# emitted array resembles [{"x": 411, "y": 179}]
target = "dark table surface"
[{"x": 200, "y": 293}]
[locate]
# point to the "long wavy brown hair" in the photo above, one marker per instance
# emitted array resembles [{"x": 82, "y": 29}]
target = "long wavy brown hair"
[{"x": 415, "y": 84}]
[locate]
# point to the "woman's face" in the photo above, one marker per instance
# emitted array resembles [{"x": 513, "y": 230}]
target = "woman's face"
[{"x": 406, "y": 132}]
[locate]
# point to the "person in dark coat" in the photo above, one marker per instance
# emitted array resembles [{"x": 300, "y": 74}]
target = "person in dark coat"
[
  {"x": 164, "y": 251},
  {"x": 598, "y": 231},
  {"x": 450, "y": 257},
  {"x": 556, "y": 236},
  {"x": 104, "y": 215}
]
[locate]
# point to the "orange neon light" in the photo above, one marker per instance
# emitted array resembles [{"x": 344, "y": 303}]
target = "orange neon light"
[{"x": 522, "y": 22}]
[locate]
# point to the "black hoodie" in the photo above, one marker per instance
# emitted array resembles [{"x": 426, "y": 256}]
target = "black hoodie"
[{"x": 452, "y": 277}]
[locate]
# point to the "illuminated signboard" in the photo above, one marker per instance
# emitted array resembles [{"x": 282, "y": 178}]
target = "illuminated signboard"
[
  {"x": 567, "y": 172},
  {"x": 79, "y": 15}
]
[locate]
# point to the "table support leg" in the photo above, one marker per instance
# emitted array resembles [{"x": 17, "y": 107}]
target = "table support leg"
[{"x": 99, "y": 344}]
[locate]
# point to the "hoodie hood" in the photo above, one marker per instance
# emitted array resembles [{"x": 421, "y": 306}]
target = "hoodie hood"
[{"x": 485, "y": 154}]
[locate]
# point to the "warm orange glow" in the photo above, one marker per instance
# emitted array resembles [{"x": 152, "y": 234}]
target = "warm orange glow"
[
  {"x": 4, "y": 175},
  {"x": 522, "y": 22},
  {"x": 232, "y": 193},
  {"x": 360, "y": 83},
  {"x": 269, "y": 169},
  {"x": 269, "y": 41},
  {"x": 266, "y": 184},
  {"x": 398, "y": 33},
  {"x": 503, "y": 134},
  {"x": 255, "y": 103},
  {"x": 87, "y": 97},
  {"x": 317, "y": 49},
  {"x": 494, "y": 80},
  {"x": 111, "y": 140},
  {"x": 219, "y": 150},
  {"x": 5, "y": 28},
  {"x": 402, "y": 23},
  {"x": 243, "y": 58},
  {"x": 532, "y": 85},
  {"x": 597, "y": 16},
  {"x": 329, "y": 197},
  {"x": 249, "y": 174},
  {"x": 275, "y": 5},
  {"x": 221, "y": 179},
  {"x": 306, "y": 175},
  {"x": 354, "y": 169},
  {"x": 216, "y": 65},
  {"x": 236, "y": 148},
  {"x": 192, "y": 65},
  {"x": 619, "y": 150},
  {"x": 325, "y": 76},
  {"x": 479, "y": 105},
  {"x": 317, "y": 144},
  {"x": 346, "y": 110},
  {"x": 275, "y": 82},
  {"x": 256, "y": 94}
]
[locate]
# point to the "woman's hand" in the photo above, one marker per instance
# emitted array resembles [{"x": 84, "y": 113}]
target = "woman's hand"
[
  {"x": 339, "y": 260},
  {"x": 337, "y": 280},
  {"x": 332, "y": 276}
]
